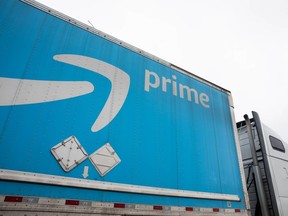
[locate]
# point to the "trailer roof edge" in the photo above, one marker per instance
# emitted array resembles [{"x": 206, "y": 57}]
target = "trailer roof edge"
[{"x": 97, "y": 32}]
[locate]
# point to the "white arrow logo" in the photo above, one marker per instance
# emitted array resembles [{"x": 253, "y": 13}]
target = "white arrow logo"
[
  {"x": 120, "y": 82},
  {"x": 23, "y": 91},
  {"x": 20, "y": 91},
  {"x": 85, "y": 172}
]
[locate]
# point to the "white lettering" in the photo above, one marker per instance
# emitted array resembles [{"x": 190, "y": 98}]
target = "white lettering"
[
  {"x": 204, "y": 98},
  {"x": 188, "y": 90},
  {"x": 148, "y": 80},
  {"x": 174, "y": 83},
  {"x": 191, "y": 94},
  {"x": 164, "y": 83}
]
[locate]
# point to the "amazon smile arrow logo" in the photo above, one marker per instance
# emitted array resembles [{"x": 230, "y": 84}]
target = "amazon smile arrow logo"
[{"x": 22, "y": 91}]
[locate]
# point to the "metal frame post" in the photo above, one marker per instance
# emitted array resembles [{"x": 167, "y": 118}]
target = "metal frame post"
[{"x": 256, "y": 169}]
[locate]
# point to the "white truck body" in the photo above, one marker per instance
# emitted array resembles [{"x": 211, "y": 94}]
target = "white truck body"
[{"x": 272, "y": 153}]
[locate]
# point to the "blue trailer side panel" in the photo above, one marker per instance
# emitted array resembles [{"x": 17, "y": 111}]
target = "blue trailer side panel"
[{"x": 171, "y": 130}]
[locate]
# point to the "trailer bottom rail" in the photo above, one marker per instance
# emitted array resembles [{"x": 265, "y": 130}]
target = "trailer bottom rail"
[
  {"x": 21, "y": 205},
  {"x": 12, "y": 175}
]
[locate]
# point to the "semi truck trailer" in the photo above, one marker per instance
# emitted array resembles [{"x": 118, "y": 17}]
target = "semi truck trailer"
[{"x": 90, "y": 124}]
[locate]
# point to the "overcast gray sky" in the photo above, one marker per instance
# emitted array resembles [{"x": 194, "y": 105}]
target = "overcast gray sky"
[{"x": 239, "y": 45}]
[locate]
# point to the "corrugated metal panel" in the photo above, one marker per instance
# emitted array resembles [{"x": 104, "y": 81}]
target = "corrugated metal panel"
[{"x": 170, "y": 130}]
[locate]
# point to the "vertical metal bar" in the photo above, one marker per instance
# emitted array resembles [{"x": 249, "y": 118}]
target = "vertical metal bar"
[
  {"x": 256, "y": 169},
  {"x": 238, "y": 148}
]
